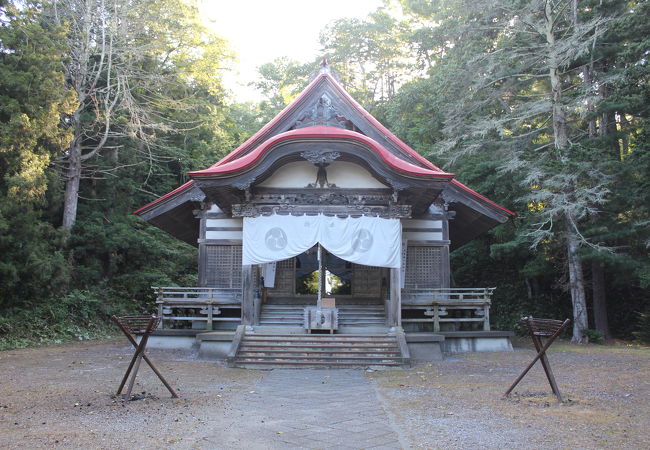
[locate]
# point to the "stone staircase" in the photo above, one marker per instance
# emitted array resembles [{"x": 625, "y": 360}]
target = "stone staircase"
[
  {"x": 349, "y": 315},
  {"x": 255, "y": 350}
]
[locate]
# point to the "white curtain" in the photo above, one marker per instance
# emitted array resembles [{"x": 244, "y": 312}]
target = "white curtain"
[
  {"x": 402, "y": 275},
  {"x": 269, "y": 270},
  {"x": 370, "y": 241}
]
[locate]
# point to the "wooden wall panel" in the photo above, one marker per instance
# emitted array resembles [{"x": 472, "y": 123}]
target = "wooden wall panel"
[
  {"x": 366, "y": 281},
  {"x": 223, "y": 267},
  {"x": 424, "y": 267}
]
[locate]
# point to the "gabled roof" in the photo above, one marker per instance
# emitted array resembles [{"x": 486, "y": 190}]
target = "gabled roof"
[
  {"x": 318, "y": 132},
  {"x": 321, "y": 83},
  {"x": 294, "y": 122}
]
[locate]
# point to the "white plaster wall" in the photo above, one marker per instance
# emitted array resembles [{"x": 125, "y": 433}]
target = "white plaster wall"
[
  {"x": 349, "y": 175},
  {"x": 236, "y": 235},
  {"x": 421, "y": 223},
  {"x": 423, "y": 236},
  {"x": 235, "y": 223},
  {"x": 301, "y": 173},
  {"x": 416, "y": 224},
  {"x": 296, "y": 174}
]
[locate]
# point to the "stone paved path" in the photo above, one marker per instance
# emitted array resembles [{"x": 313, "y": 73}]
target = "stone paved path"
[{"x": 314, "y": 409}]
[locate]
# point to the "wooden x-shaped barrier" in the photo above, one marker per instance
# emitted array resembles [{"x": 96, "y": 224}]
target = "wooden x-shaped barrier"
[
  {"x": 538, "y": 328},
  {"x": 132, "y": 326}
]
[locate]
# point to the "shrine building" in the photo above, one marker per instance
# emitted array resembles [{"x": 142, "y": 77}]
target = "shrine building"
[{"x": 324, "y": 240}]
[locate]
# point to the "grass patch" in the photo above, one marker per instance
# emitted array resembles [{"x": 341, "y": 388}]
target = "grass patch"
[
  {"x": 629, "y": 349},
  {"x": 77, "y": 316}
]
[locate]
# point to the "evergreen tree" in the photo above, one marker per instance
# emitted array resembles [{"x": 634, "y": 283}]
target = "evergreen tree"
[
  {"x": 32, "y": 100},
  {"x": 131, "y": 63}
]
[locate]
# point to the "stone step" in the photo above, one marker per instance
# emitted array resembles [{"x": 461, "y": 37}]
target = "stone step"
[
  {"x": 322, "y": 358},
  {"x": 253, "y": 364},
  {"x": 368, "y": 322},
  {"x": 319, "y": 350},
  {"x": 311, "y": 360},
  {"x": 329, "y": 355},
  {"x": 253, "y": 334},
  {"x": 291, "y": 350},
  {"x": 341, "y": 311},
  {"x": 271, "y": 307},
  {"x": 341, "y": 314},
  {"x": 347, "y": 309},
  {"x": 311, "y": 343},
  {"x": 349, "y": 315},
  {"x": 320, "y": 338},
  {"x": 281, "y": 318}
]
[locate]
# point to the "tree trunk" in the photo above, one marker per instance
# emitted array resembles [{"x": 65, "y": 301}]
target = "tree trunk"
[
  {"x": 625, "y": 143},
  {"x": 600, "y": 301},
  {"x": 73, "y": 179},
  {"x": 586, "y": 76},
  {"x": 577, "y": 288},
  {"x": 560, "y": 136},
  {"x": 561, "y": 141}
]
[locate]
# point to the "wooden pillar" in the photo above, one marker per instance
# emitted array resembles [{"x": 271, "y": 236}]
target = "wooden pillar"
[
  {"x": 248, "y": 295},
  {"x": 202, "y": 255},
  {"x": 395, "y": 304},
  {"x": 446, "y": 266},
  {"x": 321, "y": 277}
]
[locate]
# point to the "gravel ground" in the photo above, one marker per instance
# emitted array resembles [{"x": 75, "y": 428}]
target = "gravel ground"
[
  {"x": 459, "y": 401},
  {"x": 61, "y": 396}
]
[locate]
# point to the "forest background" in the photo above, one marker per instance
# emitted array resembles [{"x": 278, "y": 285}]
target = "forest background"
[{"x": 540, "y": 105}]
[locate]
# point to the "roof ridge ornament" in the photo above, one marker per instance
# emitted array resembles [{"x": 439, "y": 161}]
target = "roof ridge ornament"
[
  {"x": 321, "y": 113},
  {"x": 325, "y": 69},
  {"x": 324, "y": 66}
]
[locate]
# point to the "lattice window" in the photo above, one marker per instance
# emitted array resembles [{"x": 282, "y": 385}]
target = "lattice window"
[
  {"x": 423, "y": 268},
  {"x": 366, "y": 281},
  {"x": 284, "y": 277},
  {"x": 223, "y": 266}
]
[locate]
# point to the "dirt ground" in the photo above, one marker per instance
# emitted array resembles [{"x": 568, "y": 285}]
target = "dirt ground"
[
  {"x": 61, "y": 396},
  {"x": 606, "y": 391}
]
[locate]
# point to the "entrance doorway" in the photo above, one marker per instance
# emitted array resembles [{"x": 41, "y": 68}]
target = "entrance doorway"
[
  {"x": 337, "y": 274},
  {"x": 298, "y": 278}
]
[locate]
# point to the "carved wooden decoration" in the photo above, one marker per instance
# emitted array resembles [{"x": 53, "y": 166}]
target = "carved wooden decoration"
[
  {"x": 322, "y": 113},
  {"x": 320, "y": 157}
]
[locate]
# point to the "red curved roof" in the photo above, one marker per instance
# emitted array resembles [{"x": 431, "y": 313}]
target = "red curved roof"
[
  {"x": 167, "y": 195},
  {"x": 326, "y": 75},
  {"x": 316, "y": 132},
  {"x": 242, "y": 157},
  {"x": 385, "y": 131}
]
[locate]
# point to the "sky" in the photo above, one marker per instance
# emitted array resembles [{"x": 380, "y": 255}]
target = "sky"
[{"x": 258, "y": 31}]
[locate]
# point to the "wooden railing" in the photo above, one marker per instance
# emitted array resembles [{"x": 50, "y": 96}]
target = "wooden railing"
[
  {"x": 195, "y": 304},
  {"x": 451, "y": 305}
]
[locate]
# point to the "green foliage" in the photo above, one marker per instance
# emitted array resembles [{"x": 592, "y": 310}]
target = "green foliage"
[
  {"x": 643, "y": 328},
  {"x": 465, "y": 83},
  {"x": 370, "y": 54},
  {"x": 57, "y": 288},
  {"x": 280, "y": 81},
  {"x": 77, "y": 315},
  {"x": 32, "y": 98},
  {"x": 130, "y": 256},
  {"x": 307, "y": 284},
  {"x": 486, "y": 103},
  {"x": 595, "y": 336}
]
